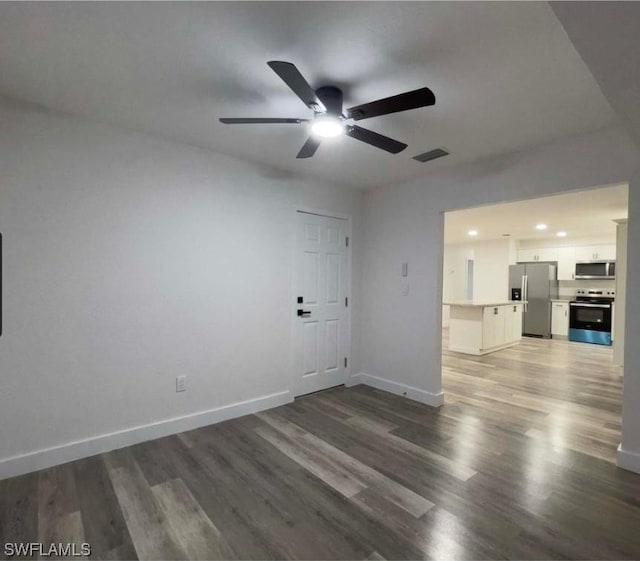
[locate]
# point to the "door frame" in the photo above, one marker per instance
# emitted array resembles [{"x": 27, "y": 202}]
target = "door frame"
[{"x": 293, "y": 306}]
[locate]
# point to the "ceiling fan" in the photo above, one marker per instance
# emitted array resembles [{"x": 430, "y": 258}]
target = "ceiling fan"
[{"x": 330, "y": 120}]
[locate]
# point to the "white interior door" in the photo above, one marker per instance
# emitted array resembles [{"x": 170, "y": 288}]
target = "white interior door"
[{"x": 321, "y": 283}]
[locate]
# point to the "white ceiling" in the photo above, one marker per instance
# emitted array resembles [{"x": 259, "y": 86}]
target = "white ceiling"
[
  {"x": 580, "y": 214},
  {"x": 505, "y": 75}
]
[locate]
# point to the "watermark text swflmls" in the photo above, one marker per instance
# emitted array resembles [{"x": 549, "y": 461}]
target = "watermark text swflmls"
[{"x": 44, "y": 550}]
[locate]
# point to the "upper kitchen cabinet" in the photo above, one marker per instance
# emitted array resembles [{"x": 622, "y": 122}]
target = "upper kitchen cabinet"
[
  {"x": 603, "y": 252},
  {"x": 566, "y": 257},
  {"x": 538, "y": 254},
  {"x": 566, "y": 263}
]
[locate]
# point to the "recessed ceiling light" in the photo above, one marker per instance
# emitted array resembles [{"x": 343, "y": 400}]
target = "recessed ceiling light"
[
  {"x": 473, "y": 232},
  {"x": 561, "y": 234},
  {"x": 541, "y": 226},
  {"x": 327, "y": 126}
]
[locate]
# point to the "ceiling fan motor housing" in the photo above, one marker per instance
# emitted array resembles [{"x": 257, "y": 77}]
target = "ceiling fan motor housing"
[
  {"x": 331, "y": 97},
  {"x": 329, "y": 119}
]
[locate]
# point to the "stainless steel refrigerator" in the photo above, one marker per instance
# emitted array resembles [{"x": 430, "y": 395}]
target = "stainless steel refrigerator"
[{"x": 535, "y": 283}]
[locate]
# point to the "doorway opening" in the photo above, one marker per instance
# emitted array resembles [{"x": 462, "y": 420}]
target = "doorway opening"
[{"x": 533, "y": 316}]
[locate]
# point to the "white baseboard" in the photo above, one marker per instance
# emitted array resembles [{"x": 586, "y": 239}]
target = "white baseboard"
[
  {"x": 628, "y": 460},
  {"x": 465, "y": 350},
  {"x": 423, "y": 396},
  {"x": 41, "y": 459},
  {"x": 353, "y": 380},
  {"x": 480, "y": 352}
]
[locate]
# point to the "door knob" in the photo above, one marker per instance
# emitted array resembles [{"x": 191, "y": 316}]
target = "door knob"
[{"x": 304, "y": 313}]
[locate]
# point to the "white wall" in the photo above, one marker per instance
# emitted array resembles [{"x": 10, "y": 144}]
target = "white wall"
[
  {"x": 401, "y": 334},
  {"x": 454, "y": 270},
  {"x": 605, "y": 34},
  {"x": 491, "y": 260},
  {"x": 491, "y": 270},
  {"x": 129, "y": 260},
  {"x": 629, "y": 455},
  {"x": 454, "y": 275},
  {"x": 619, "y": 319}
]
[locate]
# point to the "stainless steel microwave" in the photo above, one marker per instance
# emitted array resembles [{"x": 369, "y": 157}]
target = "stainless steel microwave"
[{"x": 595, "y": 270}]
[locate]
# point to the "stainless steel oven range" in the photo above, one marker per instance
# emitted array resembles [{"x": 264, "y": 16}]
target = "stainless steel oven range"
[{"x": 591, "y": 316}]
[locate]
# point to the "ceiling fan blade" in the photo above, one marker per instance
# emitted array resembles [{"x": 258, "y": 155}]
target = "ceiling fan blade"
[
  {"x": 309, "y": 148},
  {"x": 292, "y": 77},
  {"x": 401, "y": 102},
  {"x": 258, "y": 121},
  {"x": 375, "y": 139}
]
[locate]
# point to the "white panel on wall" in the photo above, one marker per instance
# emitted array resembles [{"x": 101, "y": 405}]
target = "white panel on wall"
[
  {"x": 333, "y": 235},
  {"x": 311, "y": 232},
  {"x": 311, "y": 334},
  {"x": 333, "y": 278},
  {"x": 310, "y": 278},
  {"x": 332, "y": 339}
]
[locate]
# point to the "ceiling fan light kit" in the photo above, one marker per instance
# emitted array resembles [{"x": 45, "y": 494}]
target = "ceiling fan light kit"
[
  {"x": 327, "y": 126},
  {"x": 330, "y": 118}
]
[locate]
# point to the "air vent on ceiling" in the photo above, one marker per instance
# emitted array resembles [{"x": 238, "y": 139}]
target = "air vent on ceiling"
[{"x": 431, "y": 155}]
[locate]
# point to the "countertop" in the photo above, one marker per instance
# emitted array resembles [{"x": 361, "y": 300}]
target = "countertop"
[
  {"x": 565, "y": 300},
  {"x": 487, "y": 304}
]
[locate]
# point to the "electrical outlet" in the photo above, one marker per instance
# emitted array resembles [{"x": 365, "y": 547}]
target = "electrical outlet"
[{"x": 181, "y": 383}]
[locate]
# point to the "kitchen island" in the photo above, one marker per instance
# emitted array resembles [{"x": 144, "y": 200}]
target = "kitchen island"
[{"x": 478, "y": 328}]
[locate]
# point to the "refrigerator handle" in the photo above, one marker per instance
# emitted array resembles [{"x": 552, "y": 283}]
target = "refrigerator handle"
[{"x": 525, "y": 295}]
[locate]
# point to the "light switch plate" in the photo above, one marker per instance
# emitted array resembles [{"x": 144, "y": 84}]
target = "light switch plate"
[{"x": 181, "y": 383}]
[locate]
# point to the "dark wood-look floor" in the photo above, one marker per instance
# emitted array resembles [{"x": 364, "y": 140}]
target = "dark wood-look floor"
[{"x": 517, "y": 464}]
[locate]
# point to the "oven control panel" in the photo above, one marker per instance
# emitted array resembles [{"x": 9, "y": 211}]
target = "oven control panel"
[{"x": 595, "y": 293}]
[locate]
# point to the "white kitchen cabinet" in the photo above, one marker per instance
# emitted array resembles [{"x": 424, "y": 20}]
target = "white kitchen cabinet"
[
  {"x": 547, "y": 254},
  {"x": 566, "y": 263},
  {"x": 513, "y": 323},
  {"x": 493, "y": 329},
  {"x": 607, "y": 252},
  {"x": 585, "y": 253},
  {"x": 538, "y": 254},
  {"x": 604, "y": 252},
  {"x": 566, "y": 257},
  {"x": 560, "y": 319},
  {"x": 527, "y": 255},
  {"x": 481, "y": 328}
]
